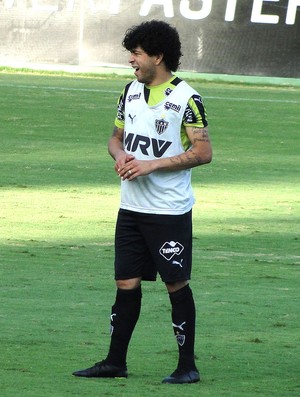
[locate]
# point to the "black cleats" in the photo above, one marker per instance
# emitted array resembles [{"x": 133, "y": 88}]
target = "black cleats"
[
  {"x": 182, "y": 376},
  {"x": 103, "y": 370}
]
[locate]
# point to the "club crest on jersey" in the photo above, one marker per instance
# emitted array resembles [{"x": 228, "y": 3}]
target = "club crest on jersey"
[
  {"x": 170, "y": 248},
  {"x": 161, "y": 125}
]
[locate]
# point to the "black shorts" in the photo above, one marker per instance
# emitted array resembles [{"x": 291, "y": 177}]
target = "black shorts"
[{"x": 147, "y": 244}]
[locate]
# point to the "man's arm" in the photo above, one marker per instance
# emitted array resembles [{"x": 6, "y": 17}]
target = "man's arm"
[
  {"x": 199, "y": 153},
  {"x": 115, "y": 143},
  {"x": 116, "y": 149}
]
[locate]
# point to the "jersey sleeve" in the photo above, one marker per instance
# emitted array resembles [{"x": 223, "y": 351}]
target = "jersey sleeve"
[
  {"x": 194, "y": 116},
  {"x": 195, "y": 113},
  {"x": 120, "y": 117}
]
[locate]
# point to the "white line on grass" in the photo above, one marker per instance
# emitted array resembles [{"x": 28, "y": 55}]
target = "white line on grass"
[
  {"x": 54, "y": 88},
  {"x": 252, "y": 99}
]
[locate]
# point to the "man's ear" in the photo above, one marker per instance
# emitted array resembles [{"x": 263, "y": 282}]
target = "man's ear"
[{"x": 159, "y": 59}]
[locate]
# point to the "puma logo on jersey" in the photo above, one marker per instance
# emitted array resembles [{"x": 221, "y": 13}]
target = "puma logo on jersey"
[
  {"x": 146, "y": 145},
  {"x": 131, "y": 117}
]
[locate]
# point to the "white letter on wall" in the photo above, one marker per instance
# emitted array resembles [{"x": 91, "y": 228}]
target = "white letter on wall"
[
  {"x": 114, "y": 7},
  {"x": 47, "y": 8},
  {"x": 8, "y": 3},
  {"x": 167, "y": 4},
  {"x": 258, "y": 17},
  {"x": 70, "y": 5},
  {"x": 201, "y": 14},
  {"x": 230, "y": 10},
  {"x": 291, "y": 12}
]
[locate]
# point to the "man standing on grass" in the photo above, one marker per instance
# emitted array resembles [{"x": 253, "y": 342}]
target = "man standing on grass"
[{"x": 160, "y": 133}]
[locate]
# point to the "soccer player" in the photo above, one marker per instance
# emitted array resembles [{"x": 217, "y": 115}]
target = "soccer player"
[{"x": 160, "y": 134}]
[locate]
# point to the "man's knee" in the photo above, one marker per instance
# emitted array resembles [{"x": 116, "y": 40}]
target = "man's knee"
[
  {"x": 173, "y": 287},
  {"x": 131, "y": 283}
]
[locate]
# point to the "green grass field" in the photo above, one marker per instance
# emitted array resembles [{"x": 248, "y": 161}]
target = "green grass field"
[{"x": 59, "y": 198}]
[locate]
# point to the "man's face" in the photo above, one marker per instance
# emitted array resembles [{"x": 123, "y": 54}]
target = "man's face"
[{"x": 144, "y": 65}]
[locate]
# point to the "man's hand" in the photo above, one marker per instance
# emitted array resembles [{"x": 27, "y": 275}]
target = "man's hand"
[
  {"x": 133, "y": 168},
  {"x": 121, "y": 159}
]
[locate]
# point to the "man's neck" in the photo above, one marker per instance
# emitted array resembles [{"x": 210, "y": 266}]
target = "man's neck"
[{"x": 161, "y": 78}]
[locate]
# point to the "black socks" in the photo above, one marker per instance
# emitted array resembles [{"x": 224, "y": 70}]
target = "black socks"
[
  {"x": 184, "y": 318},
  {"x": 124, "y": 315}
]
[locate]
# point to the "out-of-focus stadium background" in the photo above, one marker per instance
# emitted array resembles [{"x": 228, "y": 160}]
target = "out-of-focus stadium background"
[{"x": 244, "y": 37}]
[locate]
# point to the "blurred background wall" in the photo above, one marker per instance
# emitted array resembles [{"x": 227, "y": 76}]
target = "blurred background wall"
[{"x": 244, "y": 37}]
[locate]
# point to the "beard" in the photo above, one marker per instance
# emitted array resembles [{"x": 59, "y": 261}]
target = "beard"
[{"x": 146, "y": 76}]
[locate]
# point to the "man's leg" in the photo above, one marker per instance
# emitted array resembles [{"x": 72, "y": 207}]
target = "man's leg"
[
  {"x": 183, "y": 319},
  {"x": 124, "y": 316}
]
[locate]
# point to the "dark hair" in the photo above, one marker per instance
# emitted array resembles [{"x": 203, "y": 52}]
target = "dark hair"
[{"x": 155, "y": 38}]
